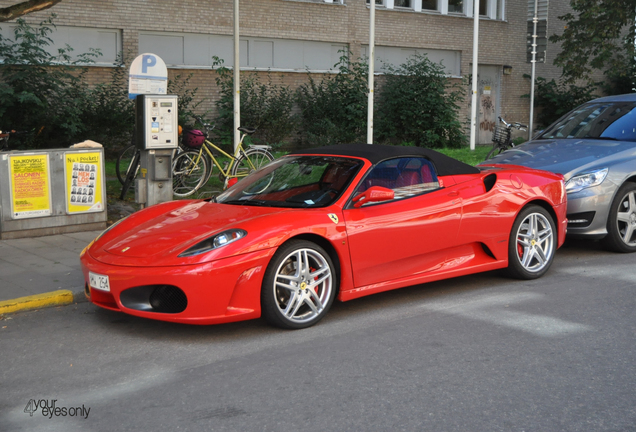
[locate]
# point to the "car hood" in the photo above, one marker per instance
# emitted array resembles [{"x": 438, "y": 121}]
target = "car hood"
[
  {"x": 158, "y": 239},
  {"x": 566, "y": 156}
]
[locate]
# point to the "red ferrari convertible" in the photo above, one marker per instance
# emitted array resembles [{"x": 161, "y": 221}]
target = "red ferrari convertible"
[{"x": 341, "y": 222}]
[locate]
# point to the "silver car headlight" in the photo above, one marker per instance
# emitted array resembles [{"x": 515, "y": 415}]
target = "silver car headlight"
[
  {"x": 586, "y": 180},
  {"x": 214, "y": 242}
]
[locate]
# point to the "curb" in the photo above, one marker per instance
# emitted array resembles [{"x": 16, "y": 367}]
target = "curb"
[{"x": 39, "y": 301}]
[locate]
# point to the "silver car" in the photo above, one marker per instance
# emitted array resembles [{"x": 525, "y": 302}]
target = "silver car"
[{"x": 594, "y": 147}]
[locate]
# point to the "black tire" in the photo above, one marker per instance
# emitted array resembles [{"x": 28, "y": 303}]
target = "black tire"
[
  {"x": 189, "y": 171},
  {"x": 621, "y": 225},
  {"x": 532, "y": 243},
  {"x": 250, "y": 160},
  {"x": 295, "y": 297},
  {"x": 124, "y": 162},
  {"x": 131, "y": 174}
]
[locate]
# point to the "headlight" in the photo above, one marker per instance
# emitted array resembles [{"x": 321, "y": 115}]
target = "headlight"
[
  {"x": 214, "y": 242},
  {"x": 586, "y": 180}
]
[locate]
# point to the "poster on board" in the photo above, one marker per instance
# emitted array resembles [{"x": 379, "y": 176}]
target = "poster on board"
[
  {"x": 30, "y": 186},
  {"x": 84, "y": 182}
]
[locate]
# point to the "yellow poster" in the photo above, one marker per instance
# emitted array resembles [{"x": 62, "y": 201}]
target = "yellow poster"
[
  {"x": 84, "y": 185},
  {"x": 30, "y": 186}
]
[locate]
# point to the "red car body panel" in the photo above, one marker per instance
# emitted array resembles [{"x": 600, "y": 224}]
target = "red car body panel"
[{"x": 458, "y": 229}]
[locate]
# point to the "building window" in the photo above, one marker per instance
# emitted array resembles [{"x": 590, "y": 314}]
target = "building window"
[
  {"x": 493, "y": 9},
  {"x": 456, "y": 6},
  {"x": 430, "y": 5}
]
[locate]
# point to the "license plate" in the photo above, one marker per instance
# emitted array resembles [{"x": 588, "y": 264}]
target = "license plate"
[{"x": 98, "y": 281}]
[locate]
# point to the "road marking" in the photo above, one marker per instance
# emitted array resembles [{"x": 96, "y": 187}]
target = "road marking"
[{"x": 485, "y": 308}]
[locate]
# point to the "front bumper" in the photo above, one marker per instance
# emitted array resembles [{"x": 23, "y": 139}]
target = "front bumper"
[
  {"x": 593, "y": 205},
  {"x": 220, "y": 291}
]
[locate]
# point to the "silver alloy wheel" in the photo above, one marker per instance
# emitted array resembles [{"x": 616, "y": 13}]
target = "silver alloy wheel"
[
  {"x": 626, "y": 219},
  {"x": 535, "y": 242},
  {"x": 303, "y": 285}
]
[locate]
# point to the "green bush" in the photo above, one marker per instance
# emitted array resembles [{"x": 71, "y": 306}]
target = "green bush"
[
  {"x": 41, "y": 92},
  {"x": 188, "y": 103},
  {"x": 418, "y": 104},
  {"x": 553, "y": 100},
  {"x": 108, "y": 112},
  {"x": 334, "y": 110},
  {"x": 264, "y": 106}
]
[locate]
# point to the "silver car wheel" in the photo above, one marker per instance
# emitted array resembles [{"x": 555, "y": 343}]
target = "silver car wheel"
[
  {"x": 626, "y": 219},
  {"x": 535, "y": 242},
  {"x": 303, "y": 285}
]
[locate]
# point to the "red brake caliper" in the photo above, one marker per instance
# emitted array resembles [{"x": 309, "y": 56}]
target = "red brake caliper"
[{"x": 520, "y": 250}]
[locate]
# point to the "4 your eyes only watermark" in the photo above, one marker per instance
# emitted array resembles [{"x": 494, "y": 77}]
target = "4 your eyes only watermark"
[{"x": 50, "y": 409}]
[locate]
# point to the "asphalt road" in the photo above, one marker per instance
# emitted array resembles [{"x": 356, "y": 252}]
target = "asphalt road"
[{"x": 478, "y": 353}]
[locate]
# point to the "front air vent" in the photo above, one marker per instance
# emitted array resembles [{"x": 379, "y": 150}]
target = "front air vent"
[
  {"x": 155, "y": 298},
  {"x": 168, "y": 299}
]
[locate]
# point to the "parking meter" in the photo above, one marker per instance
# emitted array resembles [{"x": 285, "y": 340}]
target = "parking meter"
[
  {"x": 157, "y": 139},
  {"x": 157, "y": 122}
]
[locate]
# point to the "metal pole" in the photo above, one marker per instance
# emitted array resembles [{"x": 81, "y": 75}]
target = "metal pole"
[
  {"x": 371, "y": 71},
  {"x": 237, "y": 79},
  {"x": 473, "y": 106},
  {"x": 535, "y": 21}
]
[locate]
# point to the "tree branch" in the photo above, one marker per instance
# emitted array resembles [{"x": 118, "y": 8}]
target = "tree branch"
[{"x": 25, "y": 7}]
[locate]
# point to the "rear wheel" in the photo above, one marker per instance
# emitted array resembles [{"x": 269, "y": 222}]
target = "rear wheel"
[
  {"x": 495, "y": 151},
  {"x": 124, "y": 162},
  {"x": 621, "y": 222},
  {"x": 251, "y": 160},
  {"x": 532, "y": 243},
  {"x": 189, "y": 171},
  {"x": 299, "y": 285}
]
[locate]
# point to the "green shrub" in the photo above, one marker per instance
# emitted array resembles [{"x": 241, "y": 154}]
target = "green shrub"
[
  {"x": 41, "y": 92},
  {"x": 417, "y": 103},
  {"x": 264, "y": 106},
  {"x": 334, "y": 110},
  {"x": 553, "y": 100},
  {"x": 109, "y": 115},
  {"x": 188, "y": 103}
]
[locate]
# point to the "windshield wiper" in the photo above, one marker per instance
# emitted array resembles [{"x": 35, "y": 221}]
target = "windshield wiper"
[{"x": 248, "y": 202}]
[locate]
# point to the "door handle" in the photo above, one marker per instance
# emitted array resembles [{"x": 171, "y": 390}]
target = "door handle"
[{"x": 453, "y": 194}]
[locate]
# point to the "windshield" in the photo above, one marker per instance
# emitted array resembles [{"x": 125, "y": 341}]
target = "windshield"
[
  {"x": 608, "y": 120},
  {"x": 294, "y": 181}
]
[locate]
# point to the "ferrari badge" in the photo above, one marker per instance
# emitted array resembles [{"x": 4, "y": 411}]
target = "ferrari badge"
[{"x": 333, "y": 217}]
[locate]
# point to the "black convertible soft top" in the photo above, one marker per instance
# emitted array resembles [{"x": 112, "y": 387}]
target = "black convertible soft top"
[{"x": 376, "y": 153}]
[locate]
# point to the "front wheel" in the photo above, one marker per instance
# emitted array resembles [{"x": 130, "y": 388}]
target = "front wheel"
[
  {"x": 249, "y": 161},
  {"x": 299, "y": 285},
  {"x": 495, "y": 151},
  {"x": 189, "y": 170},
  {"x": 532, "y": 243},
  {"x": 621, "y": 222}
]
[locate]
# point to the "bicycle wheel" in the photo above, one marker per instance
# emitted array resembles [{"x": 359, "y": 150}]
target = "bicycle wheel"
[
  {"x": 495, "y": 151},
  {"x": 124, "y": 162},
  {"x": 133, "y": 167},
  {"x": 251, "y": 160},
  {"x": 188, "y": 173}
]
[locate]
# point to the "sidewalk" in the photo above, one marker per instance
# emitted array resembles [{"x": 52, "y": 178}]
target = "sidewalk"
[{"x": 42, "y": 271}]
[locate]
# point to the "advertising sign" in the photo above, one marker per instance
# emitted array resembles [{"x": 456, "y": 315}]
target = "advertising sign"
[
  {"x": 148, "y": 75},
  {"x": 84, "y": 182},
  {"x": 30, "y": 186}
]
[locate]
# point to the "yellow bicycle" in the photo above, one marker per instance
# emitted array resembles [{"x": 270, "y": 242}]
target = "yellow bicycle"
[{"x": 192, "y": 168}]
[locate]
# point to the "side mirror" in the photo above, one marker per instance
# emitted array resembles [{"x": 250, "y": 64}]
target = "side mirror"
[{"x": 373, "y": 194}]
